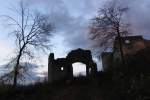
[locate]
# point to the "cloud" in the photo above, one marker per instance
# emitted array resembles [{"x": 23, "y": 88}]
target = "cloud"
[
  {"x": 71, "y": 19},
  {"x": 5, "y": 51},
  {"x": 138, "y": 15}
]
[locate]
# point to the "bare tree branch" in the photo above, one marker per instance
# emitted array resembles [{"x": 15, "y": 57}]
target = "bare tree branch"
[
  {"x": 108, "y": 25},
  {"x": 31, "y": 32}
]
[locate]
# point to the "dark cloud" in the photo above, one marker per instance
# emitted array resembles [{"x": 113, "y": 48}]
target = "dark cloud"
[
  {"x": 138, "y": 15},
  {"x": 71, "y": 18}
]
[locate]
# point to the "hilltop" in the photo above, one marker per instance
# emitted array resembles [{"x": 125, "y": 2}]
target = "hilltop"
[{"x": 103, "y": 87}]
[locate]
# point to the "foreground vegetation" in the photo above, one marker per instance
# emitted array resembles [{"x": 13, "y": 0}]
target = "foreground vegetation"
[{"x": 104, "y": 87}]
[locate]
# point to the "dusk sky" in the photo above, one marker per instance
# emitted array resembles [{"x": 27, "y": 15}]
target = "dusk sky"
[{"x": 71, "y": 19}]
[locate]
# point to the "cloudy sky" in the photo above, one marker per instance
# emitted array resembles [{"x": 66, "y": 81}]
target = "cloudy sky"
[{"x": 71, "y": 19}]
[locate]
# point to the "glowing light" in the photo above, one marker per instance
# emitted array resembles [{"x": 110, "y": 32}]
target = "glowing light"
[{"x": 79, "y": 69}]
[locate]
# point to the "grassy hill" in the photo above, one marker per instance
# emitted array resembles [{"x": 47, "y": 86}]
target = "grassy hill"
[
  {"x": 77, "y": 89},
  {"x": 104, "y": 87}
]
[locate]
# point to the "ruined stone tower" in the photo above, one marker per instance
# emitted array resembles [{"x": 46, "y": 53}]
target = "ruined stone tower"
[
  {"x": 130, "y": 44},
  {"x": 50, "y": 67}
]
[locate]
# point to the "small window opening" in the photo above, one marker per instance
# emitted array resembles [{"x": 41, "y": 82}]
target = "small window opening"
[
  {"x": 127, "y": 41},
  {"x": 62, "y": 68}
]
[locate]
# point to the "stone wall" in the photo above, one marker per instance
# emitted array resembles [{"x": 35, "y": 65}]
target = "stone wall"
[
  {"x": 107, "y": 58},
  {"x": 130, "y": 44},
  {"x": 61, "y": 68}
]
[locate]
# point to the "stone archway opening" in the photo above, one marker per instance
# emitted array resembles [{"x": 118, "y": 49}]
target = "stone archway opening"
[
  {"x": 79, "y": 69},
  {"x": 78, "y": 62}
]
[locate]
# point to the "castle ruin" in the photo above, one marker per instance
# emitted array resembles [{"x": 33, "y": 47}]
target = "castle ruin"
[
  {"x": 130, "y": 44},
  {"x": 61, "y": 68}
]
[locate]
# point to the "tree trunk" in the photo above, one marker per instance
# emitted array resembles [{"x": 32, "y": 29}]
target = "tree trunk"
[
  {"x": 120, "y": 46},
  {"x": 16, "y": 71}
]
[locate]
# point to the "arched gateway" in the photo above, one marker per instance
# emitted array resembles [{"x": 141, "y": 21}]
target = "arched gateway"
[{"x": 61, "y": 68}]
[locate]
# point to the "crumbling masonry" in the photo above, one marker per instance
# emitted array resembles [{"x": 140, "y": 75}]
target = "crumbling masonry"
[
  {"x": 130, "y": 44},
  {"x": 61, "y": 68}
]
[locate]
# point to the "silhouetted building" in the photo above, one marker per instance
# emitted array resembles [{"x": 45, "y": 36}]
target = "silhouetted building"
[
  {"x": 61, "y": 68},
  {"x": 130, "y": 44}
]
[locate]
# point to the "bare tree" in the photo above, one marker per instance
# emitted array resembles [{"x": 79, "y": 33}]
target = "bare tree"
[
  {"x": 109, "y": 24},
  {"x": 31, "y": 31}
]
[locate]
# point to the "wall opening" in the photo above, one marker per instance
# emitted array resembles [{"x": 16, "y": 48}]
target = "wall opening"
[
  {"x": 79, "y": 69},
  {"x": 62, "y": 68}
]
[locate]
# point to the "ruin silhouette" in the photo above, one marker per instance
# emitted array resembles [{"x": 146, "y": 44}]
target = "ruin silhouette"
[
  {"x": 61, "y": 68},
  {"x": 131, "y": 46}
]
